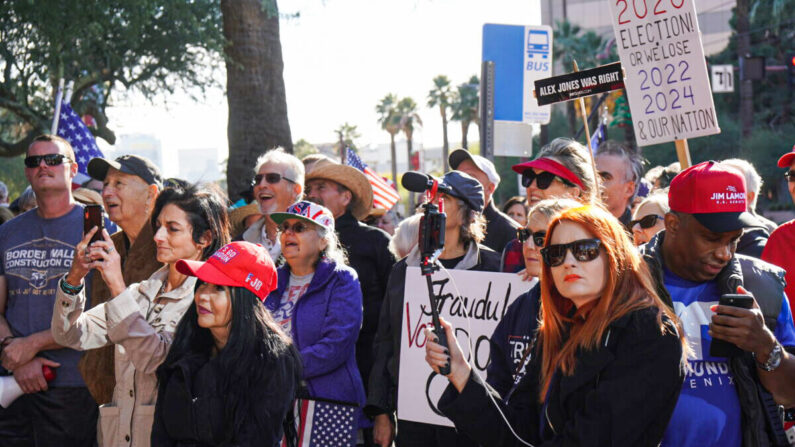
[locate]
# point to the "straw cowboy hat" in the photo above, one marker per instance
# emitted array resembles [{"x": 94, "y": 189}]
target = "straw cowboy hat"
[{"x": 349, "y": 177}]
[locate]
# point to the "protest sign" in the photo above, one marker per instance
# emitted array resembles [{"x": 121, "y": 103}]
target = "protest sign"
[
  {"x": 659, "y": 44},
  {"x": 579, "y": 83},
  {"x": 484, "y": 296}
]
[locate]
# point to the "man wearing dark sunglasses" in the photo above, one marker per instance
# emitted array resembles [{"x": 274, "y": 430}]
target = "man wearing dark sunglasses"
[
  {"x": 780, "y": 248},
  {"x": 724, "y": 401},
  {"x": 500, "y": 228},
  {"x": 278, "y": 183},
  {"x": 37, "y": 249}
]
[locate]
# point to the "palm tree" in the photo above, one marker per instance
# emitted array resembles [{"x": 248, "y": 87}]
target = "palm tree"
[
  {"x": 389, "y": 119},
  {"x": 254, "y": 88},
  {"x": 465, "y": 107},
  {"x": 407, "y": 110},
  {"x": 346, "y": 133},
  {"x": 440, "y": 96}
]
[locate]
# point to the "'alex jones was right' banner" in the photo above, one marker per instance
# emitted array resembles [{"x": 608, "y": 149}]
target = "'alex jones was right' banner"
[{"x": 659, "y": 44}]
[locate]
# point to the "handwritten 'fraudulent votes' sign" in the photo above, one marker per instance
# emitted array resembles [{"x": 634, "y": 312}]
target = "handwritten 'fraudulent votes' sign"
[
  {"x": 484, "y": 296},
  {"x": 659, "y": 44}
]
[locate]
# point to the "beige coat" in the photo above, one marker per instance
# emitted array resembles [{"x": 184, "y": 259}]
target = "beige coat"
[{"x": 141, "y": 323}]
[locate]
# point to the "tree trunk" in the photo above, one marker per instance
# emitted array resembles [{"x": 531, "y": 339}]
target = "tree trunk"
[
  {"x": 255, "y": 89},
  {"x": 464, "y": 132},
  {"x": 445, "y": 144},
  {"x": 411, "y": 194},
  {"x": 393, "y": 150},
  {"x": 746, "y": 86}
]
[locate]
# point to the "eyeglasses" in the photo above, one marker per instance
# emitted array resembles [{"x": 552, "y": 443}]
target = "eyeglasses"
[
  {"x": 790, "y": 175},
  {"x": 584, "y": 250},
  {"x": 523, "y": 234},
  {"x": 271, "y": 177},
  {"x": 298, "y": 227},
  {"x": 646, "y": 222},
  {"x": 34, "y": 161},
  {"x": 543, "y": 180}
]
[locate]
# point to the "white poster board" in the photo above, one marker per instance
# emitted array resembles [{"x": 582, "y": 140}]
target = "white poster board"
[
  {"x": 659, "y": 44},
  {"x": 484, "y": 295}
]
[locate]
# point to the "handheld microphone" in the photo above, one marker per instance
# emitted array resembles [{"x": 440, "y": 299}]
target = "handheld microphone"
[{"x": 420, "y": 182}]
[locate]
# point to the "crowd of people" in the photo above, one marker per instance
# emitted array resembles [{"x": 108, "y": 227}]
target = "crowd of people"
[{"x": 186, "y": 321}]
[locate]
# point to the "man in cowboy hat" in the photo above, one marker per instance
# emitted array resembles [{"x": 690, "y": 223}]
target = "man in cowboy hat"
[{"x": 347, "y": 193}]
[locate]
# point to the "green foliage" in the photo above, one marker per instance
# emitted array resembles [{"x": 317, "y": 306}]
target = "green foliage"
[
  {"x": 346, "y": 136},
  {"x": 588, "y": 49},
  {"x": 772, "y": 33},
  {"x": 302, "y": 148},
  {"x": 388, "y": 115},
  {"x": 409, "y": 117},
  {"x": 12, "y": 173},
  {"x": 465, "y": 102},
  {"x": 441, "y": 93},
  {"x": 151, "y": 46}
]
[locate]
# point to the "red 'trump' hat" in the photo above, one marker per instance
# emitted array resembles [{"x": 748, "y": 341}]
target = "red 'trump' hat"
[
  {"x": 786, "y": 160},
  {"x": 237, "y": 264},
  {"x": 714, "y": 194}
]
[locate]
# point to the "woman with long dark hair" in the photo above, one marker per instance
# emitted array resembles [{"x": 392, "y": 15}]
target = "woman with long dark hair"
[
  {"x": 607, "y": 366},
  {"x": 140, "y": 320},
  {"x": 231, "y": 375}
]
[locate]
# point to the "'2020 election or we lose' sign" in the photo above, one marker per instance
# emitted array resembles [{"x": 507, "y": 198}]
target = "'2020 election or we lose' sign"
[
  {"x": 659, "y": 44},
  {"x": 580, "y": 83},
  {"x": 484, "y": 296}
]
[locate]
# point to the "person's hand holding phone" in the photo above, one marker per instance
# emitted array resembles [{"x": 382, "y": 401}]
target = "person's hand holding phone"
[
  {"x": 744, "y": 328},
  {"x": 108, "y": 262},
  {"x": 83, "y": 262}
]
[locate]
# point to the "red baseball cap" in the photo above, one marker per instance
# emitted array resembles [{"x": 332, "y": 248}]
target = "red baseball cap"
[
  {"x": 786, "y": 160},
  {"x": 712, "y": 193},
  {"x": 549, "y": 165},
  {"x": 238, "y": 264}
]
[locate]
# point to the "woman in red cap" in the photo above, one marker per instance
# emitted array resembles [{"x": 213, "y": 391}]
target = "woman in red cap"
[
  {"x": 231, "y": 375},
  {"x": 141, "y": 318},
  {"x": 561, "y": 170}
]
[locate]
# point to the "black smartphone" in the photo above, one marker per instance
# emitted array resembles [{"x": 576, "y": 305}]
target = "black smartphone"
[
  {"x": 722, "y": 348},
  {"x": 92, "y": 217}
]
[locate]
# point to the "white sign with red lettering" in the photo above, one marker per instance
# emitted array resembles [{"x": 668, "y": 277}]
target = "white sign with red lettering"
[
  {"x": 484, "y": 296},
  {"x": 659, "y": 44}
]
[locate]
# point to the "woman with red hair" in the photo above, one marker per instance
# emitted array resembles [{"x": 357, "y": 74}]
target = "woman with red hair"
[{"x": 607, "y": 363}]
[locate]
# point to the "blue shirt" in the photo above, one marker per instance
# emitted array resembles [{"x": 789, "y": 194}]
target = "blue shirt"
[
  {"x": 708, "y": 411},
  {"x": 36, "y": 252}
]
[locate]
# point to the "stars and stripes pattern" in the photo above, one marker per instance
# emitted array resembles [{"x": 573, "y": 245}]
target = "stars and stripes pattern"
[
  {"x": 72, "y": 129},
  {"x": 384, "y": 195},
  {"x": 324, "y": 424},
  {"x": 599, "y": 136}
]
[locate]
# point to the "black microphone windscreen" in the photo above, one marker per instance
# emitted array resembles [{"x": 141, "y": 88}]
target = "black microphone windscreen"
[{"x": 415, "y": 181}]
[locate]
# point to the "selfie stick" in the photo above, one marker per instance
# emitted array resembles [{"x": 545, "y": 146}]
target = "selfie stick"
[{"x": 431, "y": 245}]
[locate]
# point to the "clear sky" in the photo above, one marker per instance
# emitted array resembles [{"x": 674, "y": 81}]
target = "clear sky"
[{"x": 340, "y": 58}]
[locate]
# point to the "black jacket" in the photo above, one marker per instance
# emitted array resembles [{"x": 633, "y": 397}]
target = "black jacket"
[
  {"x": 511, "y": 338},
  {"x": 753, "y": 240},
  {"x": 500, "y": 229},
  {"x": 621, "y": 394},
  {"x": 761, "y": 422},
  {"x": 382, "y": 392},
  {"x": 191, "y": 412},
  {"x": 368, "y": 254}
]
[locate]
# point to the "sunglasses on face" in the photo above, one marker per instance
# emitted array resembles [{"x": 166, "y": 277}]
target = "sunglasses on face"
[
  {"x": 523, "y": 234},
  {"x": 296, "y": 228},
  {"x": 790, "y": 175},
  {"x": 646, "y": 222},
  {"x": 543, "y": 179},
  {"x": 34, "y": 161},
  {"x": 271, "y": 177},
  {"x": 583, "y": 250}
]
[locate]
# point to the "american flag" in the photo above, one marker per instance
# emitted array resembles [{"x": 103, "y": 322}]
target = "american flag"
[
  {"x": 599, "y": 136},
  {"x": 72, "y": 129},
  {"x": 324, "y": 424},
  {"x": 384, "y": 195}
]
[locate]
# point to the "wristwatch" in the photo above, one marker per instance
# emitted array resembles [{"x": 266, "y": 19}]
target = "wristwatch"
[{"x": 773, "y": 360}]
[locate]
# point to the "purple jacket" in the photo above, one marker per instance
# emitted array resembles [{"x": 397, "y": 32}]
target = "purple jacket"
[{"x": 325, "y": 326}]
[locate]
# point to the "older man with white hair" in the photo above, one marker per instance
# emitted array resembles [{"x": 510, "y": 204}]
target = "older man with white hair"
[
  {"x": 500, "y": 229},
  {"x": 279, "y": 183},
  {"x": 755, "y": 235}
]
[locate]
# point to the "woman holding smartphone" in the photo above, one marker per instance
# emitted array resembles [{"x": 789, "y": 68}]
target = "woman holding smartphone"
[
  {"x": 140, "y": 319},
  {"x": 607, "y": 365}
]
